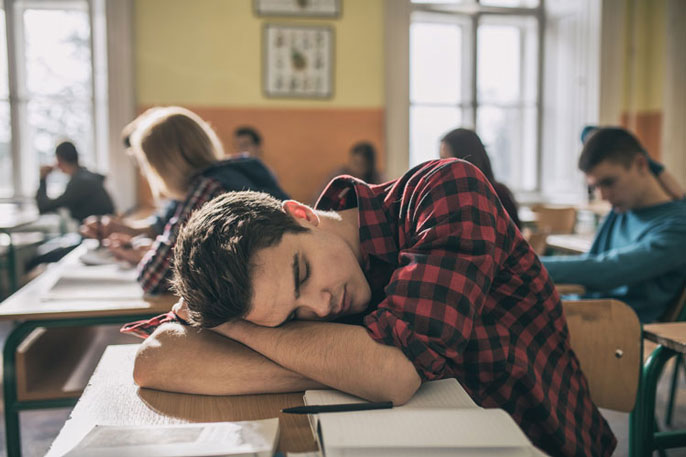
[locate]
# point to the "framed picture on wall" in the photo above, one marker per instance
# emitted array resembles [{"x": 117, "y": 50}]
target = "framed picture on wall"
[
  {"x": 298, "y": 61},
  {"x": 318, "y": 8}
]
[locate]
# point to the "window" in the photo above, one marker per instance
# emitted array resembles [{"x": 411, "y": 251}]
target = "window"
[
  {"x": 52, "y": 94},
  {"x": 476, "y": 65}
]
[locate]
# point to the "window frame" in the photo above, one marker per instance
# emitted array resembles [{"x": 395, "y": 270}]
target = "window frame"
[
  {"x": 474, "y": 12},
  {"x": 19, "y": 97}
]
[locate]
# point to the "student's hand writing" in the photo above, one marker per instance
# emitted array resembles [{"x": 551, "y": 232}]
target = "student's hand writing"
[
  {"x": 127, "y": 248},
  {"x": 102, "y": 226}
]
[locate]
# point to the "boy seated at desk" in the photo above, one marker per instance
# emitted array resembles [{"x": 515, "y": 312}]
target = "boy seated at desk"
[
  {"x": 378, "y": 289},
  {"x": 637, "y": 254}
]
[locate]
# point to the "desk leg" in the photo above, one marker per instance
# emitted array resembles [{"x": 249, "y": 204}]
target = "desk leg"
[
  {"x": 9, "y": 378},
  {"x": 14, "y": 339}
]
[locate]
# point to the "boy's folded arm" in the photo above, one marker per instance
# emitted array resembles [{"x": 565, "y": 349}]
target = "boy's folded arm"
[
  {"x": 344, "y": 357},
  {"x": 179, "y": 358}
]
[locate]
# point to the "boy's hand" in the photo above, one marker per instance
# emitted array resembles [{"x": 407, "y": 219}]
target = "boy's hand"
[{"x": 45, "y": 170}]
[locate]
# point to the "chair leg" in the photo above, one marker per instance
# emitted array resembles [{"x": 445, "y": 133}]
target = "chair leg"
[
  {"x": 656, "y": 428},
  {"x": 669, "y": 414}
]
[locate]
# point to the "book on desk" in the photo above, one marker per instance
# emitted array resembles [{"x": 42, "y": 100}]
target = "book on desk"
[{"x": 439, "y": 420}]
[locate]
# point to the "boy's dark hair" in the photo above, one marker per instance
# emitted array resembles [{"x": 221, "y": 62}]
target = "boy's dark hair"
[
  {"x": 251, "y": 132},
  {"x": 215, "y": 249},
  {"x": 609, "y": 143},
  {"x": 67, "y": 152}
]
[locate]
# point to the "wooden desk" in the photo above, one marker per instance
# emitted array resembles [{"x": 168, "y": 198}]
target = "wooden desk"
[
  {"x": 570, "y": 244},
  {"x": 111, "y": 398},
  {"x": 27, "y": 306},
  {"x": 671, "y": 338}
]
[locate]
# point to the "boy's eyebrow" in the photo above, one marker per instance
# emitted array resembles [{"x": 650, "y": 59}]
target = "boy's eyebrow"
[{"x": 296, "y": 275}]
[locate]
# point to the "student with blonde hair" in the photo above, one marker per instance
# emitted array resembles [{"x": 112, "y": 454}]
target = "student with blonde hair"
[{"x": 180, "y": 155}]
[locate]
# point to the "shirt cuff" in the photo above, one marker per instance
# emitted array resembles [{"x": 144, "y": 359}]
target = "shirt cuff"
[{"x": 386, "y": 328}]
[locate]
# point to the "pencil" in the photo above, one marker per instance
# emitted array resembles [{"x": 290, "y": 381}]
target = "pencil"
[{"x": 316, "y": 409}]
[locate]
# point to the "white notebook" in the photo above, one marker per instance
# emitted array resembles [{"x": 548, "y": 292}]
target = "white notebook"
[
  {"x": 257, "y": 438},
  {"x": 96, "y": 282},
  {"x": 440, "y": 420}
]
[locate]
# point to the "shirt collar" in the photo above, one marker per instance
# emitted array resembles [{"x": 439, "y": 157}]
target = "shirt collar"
[{"x": 375, "y": 227}]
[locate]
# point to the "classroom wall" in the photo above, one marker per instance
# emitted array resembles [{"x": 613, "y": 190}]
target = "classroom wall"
[
  {"x": 206, "y": 55},
  {"x": 644, "y": 71}
]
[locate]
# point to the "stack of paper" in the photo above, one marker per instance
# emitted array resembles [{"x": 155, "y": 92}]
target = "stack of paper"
[{"x": 257, "y": 438}]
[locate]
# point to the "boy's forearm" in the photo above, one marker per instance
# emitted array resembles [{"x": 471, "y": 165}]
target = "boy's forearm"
[
  {"x": 181, "y": 359},
  {"x": 344, "y": 357}
]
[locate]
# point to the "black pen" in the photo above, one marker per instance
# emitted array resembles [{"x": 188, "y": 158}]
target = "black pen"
[
  {"x": 99, "y": 231},
  {"x": 316, "y": 409}
]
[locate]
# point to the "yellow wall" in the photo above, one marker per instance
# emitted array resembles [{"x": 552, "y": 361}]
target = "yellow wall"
[
  {"x": 209, "y": 52},
  {"x": 645, "y": 55}
]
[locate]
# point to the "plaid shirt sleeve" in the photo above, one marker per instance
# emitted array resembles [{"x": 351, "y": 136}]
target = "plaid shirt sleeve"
[
  {"x": 445, "y": 269},
  {"x": 155, "y": 269}
]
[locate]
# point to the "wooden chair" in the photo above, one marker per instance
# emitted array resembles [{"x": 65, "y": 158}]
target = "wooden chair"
[
  {"x": 555, "y": 219},
  {"x": 606, "y": 337}
]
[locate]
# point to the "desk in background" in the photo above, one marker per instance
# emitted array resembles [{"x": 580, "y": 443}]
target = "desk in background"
[
  {"x": 112, "y": 398},
  {"x": 570, "y": 244},
  {"x": 27, "y": 306},
  {"x": 672, "y": 340},
  {"x": 13, "y": 217}
]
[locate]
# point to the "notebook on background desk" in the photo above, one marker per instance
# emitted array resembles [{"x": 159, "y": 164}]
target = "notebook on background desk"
[
  {"x": 440, "y": 420},
  {"x": 95, "y": 282}
]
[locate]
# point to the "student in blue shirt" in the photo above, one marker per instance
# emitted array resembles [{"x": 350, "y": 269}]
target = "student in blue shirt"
[{"x": 638, "y": 253}]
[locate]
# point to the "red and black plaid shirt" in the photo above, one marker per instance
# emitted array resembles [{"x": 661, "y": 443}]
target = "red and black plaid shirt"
[
  {"x": 461, "y": 293},
  {"x": 155, "y": 269}
]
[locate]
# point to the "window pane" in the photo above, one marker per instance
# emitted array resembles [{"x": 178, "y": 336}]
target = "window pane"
[
  {"x": 47, "y": 124},
  {"x": 507, "y": 60},
  {"x": 6, "y": 183},
  {"x": 58, "y": 59},
  {"x": 442, "y": 1},
  {"x": 511, "y": 3},
  {"x": 427, "y": 126},
  {"x": 4, "y": 83},
  {"x": 57, "y": 100},
  {"x": 509, "y": 135},
  {"x": 435, "y": 63}
]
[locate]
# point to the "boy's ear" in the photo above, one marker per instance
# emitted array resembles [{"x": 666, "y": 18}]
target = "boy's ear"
[
  {"x": 300, "y": 212},
  {"x": 641, "y": 162}
]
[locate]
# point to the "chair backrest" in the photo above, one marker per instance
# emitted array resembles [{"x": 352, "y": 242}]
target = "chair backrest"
[
  {"x": 555, "y": 219},
  {"x": 606, "y": 337},
  {"x": 536, "y": 240},
  {"x": 676, "y": 311}
]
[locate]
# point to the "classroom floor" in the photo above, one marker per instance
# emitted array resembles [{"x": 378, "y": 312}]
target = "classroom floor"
[{"x": 39, "y": 428}]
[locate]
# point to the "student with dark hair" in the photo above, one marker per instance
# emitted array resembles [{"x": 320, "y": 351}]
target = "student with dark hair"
[
  {"x": 362, "y": 163},
  {"x": 637, "y": 255},
  {"x": 378, "y": 289},
  {"x": 85, "y": 194},
  {"x": 465, "y": 144},
  {"x": 247, "y": 142},
  {"x": 666, "y": 179}
]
